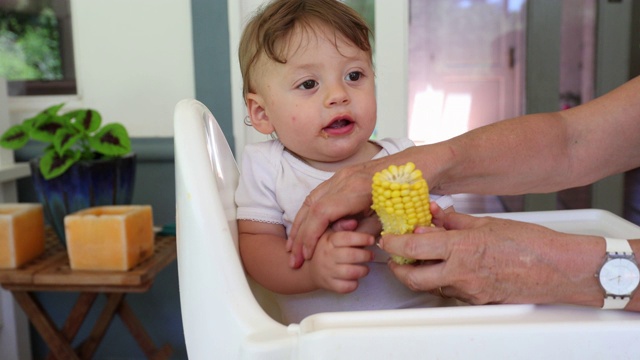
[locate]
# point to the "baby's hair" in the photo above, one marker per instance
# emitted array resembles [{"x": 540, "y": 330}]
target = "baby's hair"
[{"x": 274, "y": 23}]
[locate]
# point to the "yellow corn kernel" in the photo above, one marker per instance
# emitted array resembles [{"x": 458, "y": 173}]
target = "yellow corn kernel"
[{"x": 401, "y": 200}]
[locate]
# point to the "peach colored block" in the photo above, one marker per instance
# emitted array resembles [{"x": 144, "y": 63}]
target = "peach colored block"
[
  {"x": 114, "y": 237},
  {"x": 21, "y": 234}
]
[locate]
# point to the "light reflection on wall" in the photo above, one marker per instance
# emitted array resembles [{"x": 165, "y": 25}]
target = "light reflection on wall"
[
  {"x": 437, "y": 116},
  {"x": 465, "y": 65}
]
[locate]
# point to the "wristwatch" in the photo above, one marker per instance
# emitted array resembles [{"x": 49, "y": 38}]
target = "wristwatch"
[{"x": 619, "y": 275}]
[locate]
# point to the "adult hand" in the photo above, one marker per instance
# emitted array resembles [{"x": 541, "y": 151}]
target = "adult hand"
[
  {"x": 483, "y": 260},
  {"x": 347, "y": 192}
]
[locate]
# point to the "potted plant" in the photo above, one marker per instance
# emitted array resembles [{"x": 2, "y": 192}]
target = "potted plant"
[{"x": 84, "y": 164}]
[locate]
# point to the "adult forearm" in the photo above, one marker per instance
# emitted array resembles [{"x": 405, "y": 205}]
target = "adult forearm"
[
  {"x": 510, "y": 157},
  {"x": 543, "y": 152},
  {"x": 540, "y": 152}
]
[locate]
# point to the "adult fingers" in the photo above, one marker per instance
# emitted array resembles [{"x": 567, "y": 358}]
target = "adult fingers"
[
  {"x": 302, "y": 214},
  {"x": 303, "y": 242},
  {"x": 304, "y": 217},
  {"x": 419, "y": 277},
  {"x": 348, "y": 192},
  {"x": 433, "y": 244},
  {"x": 458, "y": 221}
]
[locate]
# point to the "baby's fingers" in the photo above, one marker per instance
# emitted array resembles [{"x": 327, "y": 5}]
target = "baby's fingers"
[
  {"x": 351, "y": 239},
  {"x": 352, "y": 255},
  {"x": 345, "y": 278},
  {"x": 437, "y": 214}
]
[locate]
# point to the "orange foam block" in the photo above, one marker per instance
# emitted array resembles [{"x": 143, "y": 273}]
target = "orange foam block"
[
  {"x": 113, "y": 237},
  {"x": 21, "y": 234}
]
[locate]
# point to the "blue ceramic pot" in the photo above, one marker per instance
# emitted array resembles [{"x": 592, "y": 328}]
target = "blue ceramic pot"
[{"x": 83, "y": 185}]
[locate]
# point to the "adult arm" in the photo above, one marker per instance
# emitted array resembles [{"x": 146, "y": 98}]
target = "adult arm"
[
  {"x": 541, "y": 152},
  {"x": 533, "y": 153},
  {"x": 487, "y": 261}
]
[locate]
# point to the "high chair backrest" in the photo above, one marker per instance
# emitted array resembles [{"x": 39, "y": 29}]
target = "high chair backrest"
[
  {"x": 218, "y": 307},
  {"x": 222, "y": 318}
]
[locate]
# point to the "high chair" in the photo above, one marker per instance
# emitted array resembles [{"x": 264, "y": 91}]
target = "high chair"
[{"x": 226, "y": 316}]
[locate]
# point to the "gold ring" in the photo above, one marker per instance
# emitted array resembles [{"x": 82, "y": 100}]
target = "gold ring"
[{"x": 441, "y": 294}]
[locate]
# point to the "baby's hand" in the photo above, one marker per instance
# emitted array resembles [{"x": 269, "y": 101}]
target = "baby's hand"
[
  {"x": 339, "y": 260},
  {"x": 365, "y": 224},
  {"x": 437, "y": 215}
]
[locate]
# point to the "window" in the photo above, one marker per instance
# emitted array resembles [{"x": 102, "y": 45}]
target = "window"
[{"x": 36, "y": 48}]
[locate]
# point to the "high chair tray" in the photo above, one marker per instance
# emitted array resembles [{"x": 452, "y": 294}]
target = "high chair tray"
[{"x": 472, "y": 332}]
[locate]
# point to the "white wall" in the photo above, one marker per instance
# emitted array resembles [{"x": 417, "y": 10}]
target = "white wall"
[{"x": 134, "y": 62}]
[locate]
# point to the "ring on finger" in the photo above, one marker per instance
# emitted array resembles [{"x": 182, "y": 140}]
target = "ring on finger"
[{"x": 442, "y": 295}]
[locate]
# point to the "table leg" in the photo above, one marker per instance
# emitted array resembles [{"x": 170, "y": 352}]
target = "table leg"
[
  {"x": 56, "y": 341},
  {"x": 59, "y": 342},
  {"x": 76, "y": 317},
  {"x": 102, "y": 324},
  {"x": 141, "y": 336}
]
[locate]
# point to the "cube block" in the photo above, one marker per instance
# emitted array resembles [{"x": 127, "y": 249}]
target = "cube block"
[
  {"x": 21, "y": 234},
  {"x": 113, "y": 237}
]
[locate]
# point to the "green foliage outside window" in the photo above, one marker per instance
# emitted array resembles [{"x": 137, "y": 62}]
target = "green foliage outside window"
[{"x": 30, "y": 45}]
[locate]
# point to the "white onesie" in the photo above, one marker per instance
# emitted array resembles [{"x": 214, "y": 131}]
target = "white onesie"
[{"x": 273, "y": 185}]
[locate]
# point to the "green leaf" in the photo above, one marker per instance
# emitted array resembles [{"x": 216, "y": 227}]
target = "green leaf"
[
  {"x": 64, "y": 140},
  {"x": 15, "y": 137},
  {"x": 44, "y": 129},
  {"x": 28, "y": 124},
  {"x": 31, "y": 122},
  {"x": 52, "y": 110},
  {"x": 111, "y": 140},
  {"x": 88, "y": 120},
  {"x": 53, "y": 165}
]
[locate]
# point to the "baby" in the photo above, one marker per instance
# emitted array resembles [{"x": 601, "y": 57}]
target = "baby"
[{"x": 309, "y": 81}]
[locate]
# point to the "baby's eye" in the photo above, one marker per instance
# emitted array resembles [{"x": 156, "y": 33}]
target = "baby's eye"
[
  {"x": 307, "y": 85},
  {"x": 353, "y": 76}
]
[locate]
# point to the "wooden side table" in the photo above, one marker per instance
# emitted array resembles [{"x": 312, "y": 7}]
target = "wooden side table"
[{"x": 51, "y": 272}]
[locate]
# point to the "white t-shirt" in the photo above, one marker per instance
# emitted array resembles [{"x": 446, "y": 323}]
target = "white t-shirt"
[{"x": 273, "y": 185}]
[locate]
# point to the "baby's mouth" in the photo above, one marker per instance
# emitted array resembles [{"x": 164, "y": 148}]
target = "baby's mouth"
[
  {"x": 339, "y": 124},
  {"x": 337, "y": 128}
]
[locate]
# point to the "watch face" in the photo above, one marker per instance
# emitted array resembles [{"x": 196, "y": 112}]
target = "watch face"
[{"x": 619, "y": 276}]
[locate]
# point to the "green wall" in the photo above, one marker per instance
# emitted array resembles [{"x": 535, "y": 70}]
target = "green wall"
[{"x": 211, "y": 61}]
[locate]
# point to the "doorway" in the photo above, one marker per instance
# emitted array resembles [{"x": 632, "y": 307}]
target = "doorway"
[
  {"x": 466, "y": 70},
  {"x": 467, "y": 62},
  {"x": 466, "y": 65}
]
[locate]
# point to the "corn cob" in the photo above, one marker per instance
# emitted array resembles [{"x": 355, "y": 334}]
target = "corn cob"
[{"x": 401, "y": 199}]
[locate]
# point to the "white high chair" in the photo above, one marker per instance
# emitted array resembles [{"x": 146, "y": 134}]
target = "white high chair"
[{"x": 223, "y": 319}]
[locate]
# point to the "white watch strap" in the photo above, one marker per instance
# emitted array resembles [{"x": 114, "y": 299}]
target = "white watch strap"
[
  {"x": 612, "y": 303},
  {"x": 618, "y": 246}
]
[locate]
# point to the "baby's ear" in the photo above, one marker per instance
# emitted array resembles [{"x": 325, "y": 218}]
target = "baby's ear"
[{"x": 258, "y": 115}]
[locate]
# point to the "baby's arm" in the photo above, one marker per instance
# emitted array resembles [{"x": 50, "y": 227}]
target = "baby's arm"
[{"x": 338, "y": 266}]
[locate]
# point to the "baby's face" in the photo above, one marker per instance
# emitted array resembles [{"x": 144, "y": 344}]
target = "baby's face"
[{"x": 321, "y": 103}]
